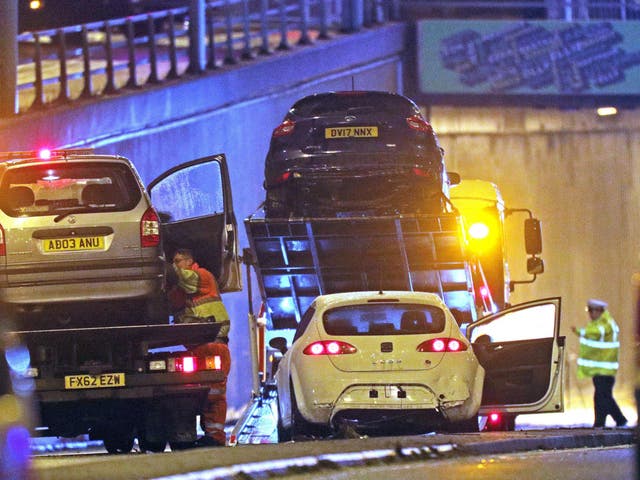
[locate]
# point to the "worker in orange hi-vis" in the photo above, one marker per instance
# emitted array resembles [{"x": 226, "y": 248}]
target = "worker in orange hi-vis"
[{"x": 196, "y": 298}]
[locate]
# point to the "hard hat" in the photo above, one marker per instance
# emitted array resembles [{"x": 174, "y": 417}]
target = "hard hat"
[{"x": 595, "y": 303}]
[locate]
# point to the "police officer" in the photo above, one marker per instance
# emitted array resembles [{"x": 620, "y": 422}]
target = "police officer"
[
  {"x": 598, "y": 359},
  {"x": 196, "y": 298}
]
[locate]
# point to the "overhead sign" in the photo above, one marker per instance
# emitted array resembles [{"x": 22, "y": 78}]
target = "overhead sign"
[{"x": 540, "y": 58}]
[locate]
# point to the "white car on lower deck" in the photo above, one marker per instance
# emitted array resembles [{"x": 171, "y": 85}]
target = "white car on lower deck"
[{"x": 398, "y": 361}]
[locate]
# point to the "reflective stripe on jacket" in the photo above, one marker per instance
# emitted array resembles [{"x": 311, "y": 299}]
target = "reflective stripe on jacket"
[
  {"x": 202, "y": 295},
  {"x": 599, "y": 347}
]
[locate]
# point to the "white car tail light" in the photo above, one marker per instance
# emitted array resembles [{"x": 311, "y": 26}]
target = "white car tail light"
[
  {"x": 329, "y": 347},
  {"x": 150, "y": 229},
  {"x": 440, "y": 345}
]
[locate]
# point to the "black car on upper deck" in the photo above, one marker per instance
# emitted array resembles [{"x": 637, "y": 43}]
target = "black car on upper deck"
[{"x": 354, "y": 152}]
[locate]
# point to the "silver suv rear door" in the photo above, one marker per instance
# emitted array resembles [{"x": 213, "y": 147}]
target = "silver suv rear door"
[
  {"x": 194, "y": 202},
  {"x": 523, "y": 356}
]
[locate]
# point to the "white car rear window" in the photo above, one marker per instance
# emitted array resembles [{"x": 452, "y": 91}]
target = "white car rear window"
[{"x": 384, "y": 319}]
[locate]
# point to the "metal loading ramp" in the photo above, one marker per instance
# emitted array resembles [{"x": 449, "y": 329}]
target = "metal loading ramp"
[{"x": 300, "y": 258}]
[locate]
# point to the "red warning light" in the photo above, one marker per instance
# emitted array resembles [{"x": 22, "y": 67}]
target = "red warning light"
[
  {"x": 44, "y": 154},
  {"x": 484, "y": 291}
]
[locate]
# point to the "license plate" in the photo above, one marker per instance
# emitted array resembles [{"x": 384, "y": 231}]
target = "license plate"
[
  {"x": 104, "y": 380},
  {"x": 350, "y": 132},
  {"x": 73, "y": 244}
]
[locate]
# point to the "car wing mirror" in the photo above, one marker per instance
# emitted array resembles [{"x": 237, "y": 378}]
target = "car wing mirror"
[{"x": 279, "y": 343}]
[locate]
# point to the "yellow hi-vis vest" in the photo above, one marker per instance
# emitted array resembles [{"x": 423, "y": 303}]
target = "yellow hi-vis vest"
[{"x": 599, "y": 347}]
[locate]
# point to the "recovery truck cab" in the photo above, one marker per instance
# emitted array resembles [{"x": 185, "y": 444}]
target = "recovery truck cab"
[
  {"x": 101, "y": 365},
  {"x": 484, "y": 213}
]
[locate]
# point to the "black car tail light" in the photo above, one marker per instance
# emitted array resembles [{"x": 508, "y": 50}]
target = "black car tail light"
[
  {"x": 416, "y": 122},
  {"x": 421, "y": 172},
  {"x": 285, "y": 128},
  {"x": 282, "y": 178}
]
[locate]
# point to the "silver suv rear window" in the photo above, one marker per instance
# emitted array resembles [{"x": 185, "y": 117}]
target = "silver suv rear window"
[
  {"x": 56, "y": 188},
  {"x": 384, "y": 319}
]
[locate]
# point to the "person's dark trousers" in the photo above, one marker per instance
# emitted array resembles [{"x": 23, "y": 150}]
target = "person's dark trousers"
[{"x": 603, "y": 402}]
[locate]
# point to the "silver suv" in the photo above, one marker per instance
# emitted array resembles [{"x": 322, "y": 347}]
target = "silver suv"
[{"x": 77, "y": 234}]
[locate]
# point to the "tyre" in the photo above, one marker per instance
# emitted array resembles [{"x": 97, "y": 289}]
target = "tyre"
[
  {"x": 284, "y": 434},
  {"x": 469, "y": 425},
  {"x": 118, "y": 444},
  {"x": 275, "y": 205},
  {"x": 300, "y": 428},
  {"x": 181, "y": 445},
  {"x": 152, "y": 446}
]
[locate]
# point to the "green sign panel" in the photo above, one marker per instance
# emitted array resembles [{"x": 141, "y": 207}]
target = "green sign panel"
[{"x": 529, "y": 58}]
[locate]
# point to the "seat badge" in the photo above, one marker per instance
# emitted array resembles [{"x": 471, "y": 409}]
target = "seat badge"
[
  {"x": 71, "y": 219},
  {"x": 349, "y": 118}
]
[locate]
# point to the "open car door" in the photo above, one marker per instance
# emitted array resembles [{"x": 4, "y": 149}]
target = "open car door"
[
  {"x": 194, "y": 203},
  {"x": 523, "y": 354}
]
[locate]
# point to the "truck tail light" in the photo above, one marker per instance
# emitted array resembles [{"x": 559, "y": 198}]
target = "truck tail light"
[
  {"x": 441, "y": 345},
  {"x": 329, "y": 347},
  {"x": 416, "y": 122},
  {"x": 285, "y": 128},
  {"x": 213, "y": 363},
  {"x": 187, "y": 364},
  {"x": 150, "y": 229},
  {"x": 3, "y": 245}
]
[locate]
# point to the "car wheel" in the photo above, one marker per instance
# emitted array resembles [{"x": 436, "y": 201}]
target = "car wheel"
[
  {"x": 275, "y": 205},
  {"x": 116, "y": 444},
  {"x": 151, "y": 446},
  {"x": 181, "y": 445},
  {"x": 284, "y": 433},
  {"x": 469, "y": 425}
]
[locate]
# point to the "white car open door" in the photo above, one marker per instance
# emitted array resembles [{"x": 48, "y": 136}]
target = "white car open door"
[{"x": 523, "y": 356}]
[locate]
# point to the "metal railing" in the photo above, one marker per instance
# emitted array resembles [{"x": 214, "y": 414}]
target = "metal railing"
[{"x": 101, "y": 58}]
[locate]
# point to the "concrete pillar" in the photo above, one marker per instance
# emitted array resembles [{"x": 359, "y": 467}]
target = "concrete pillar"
[
  {"x": 8, "y": 56},
  {"x": 352, "y": 15},
  {"x": 197, "y": 32}
]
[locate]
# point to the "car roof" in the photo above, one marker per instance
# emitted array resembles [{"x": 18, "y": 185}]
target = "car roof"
[
  {"x": 333, "y": 300},
  {"x": 306, "y": 105},
  {"x": 27, "y": 160}
]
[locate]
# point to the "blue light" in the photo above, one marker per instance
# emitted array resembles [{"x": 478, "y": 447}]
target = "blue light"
[
  {"x": 18, "y": 358},
  {"x": 15, "y": 454}
]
